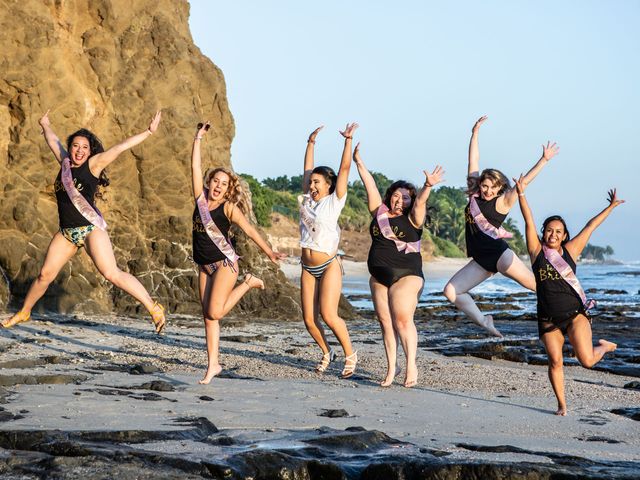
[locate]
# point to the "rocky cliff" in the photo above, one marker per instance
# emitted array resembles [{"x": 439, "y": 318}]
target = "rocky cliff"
[{"x": 108, "y": 65}]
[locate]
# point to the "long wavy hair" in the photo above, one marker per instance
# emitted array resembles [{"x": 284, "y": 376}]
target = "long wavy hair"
[
  {"x": 395, "y": 186},
  {"x": 329, "y": 175},
  {"x": 496, "y": 176},
  {"x": 550, "y": 219},
  {"x": 95, "y": 147},
  {"x": 234, "y": 193}
]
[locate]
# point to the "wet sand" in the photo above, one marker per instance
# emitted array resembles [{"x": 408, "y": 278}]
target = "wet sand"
[{"x": 269, "y": 394}]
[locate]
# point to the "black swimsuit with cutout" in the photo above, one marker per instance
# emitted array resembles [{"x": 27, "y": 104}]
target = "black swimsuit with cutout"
[
  {"x": 486, "y": 251},
  {"x": 386, "y": 264}
]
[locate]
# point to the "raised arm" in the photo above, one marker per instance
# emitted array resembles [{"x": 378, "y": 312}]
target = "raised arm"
[
  {"x": 506, "y": 201},
  {"x": 474, "y": 151},
  {"x": 577, "y": 243},
  {"x": 374, "y": 200},
  {"x": 52, "y": 139},
  {"x": 196, "y": 161},
  {"x": 237, "y": 217},
  {"x": 531, "y": 235},
  {"x": 100, "y": 161},
  {"x": 419, "y": 211},
  {"x": 345, "y": 162},
  {"x": 308, "y": 159}
]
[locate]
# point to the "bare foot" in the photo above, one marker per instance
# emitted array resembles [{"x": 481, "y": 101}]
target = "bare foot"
[
  {"x": 253, "y": 281},
  {"x": 562, "y": 411},
  {"x": 391, "y": 375},
  {"x": 411, "y": 379},
  {"x": 609, "y": 346},
  {"x": 487, "y": 324},
  {"x": 212, "y": 371}
]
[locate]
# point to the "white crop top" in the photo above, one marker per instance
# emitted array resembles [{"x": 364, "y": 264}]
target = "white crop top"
[{"x": 320, "y": 231}]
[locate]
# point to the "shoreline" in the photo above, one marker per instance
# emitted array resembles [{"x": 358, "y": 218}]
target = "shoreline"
[{"x": 267, "y": 365}]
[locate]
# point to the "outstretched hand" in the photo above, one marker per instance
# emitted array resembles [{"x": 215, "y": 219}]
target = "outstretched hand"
[
  {"x": 520, "y": 184},
  {"x": 356, "y": 154},
  {"x": 314, "y": 134},
  {"x": 153, "y": 126},
  {"x": 480, "y": 121},
  {"x": 277, "y": 256},
  {"x": 44, "y": 120},
  {"x": 550, "y": 151},
  {"x": 613, "y": 199},
  {"x": 434, "y": 177},
  {"x": 348, "y": 130},
  {"x": 203, "y": 128}
]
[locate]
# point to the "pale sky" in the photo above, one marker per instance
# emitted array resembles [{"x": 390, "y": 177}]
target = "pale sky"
[{"x": 417, "y": 74}]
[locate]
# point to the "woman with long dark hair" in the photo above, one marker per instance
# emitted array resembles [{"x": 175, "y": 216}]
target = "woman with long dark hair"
[
  {"x": 324, "y": 197},
  {"x": 562, "y": 304},
  {"x": 491, "y": 197},
  {"x": 219, "y": 203},
  {"x": 395, "y": 262},
  {"x": 82, "y": 173}
]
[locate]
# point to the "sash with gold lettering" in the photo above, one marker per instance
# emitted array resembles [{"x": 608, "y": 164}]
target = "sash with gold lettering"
[
  {"x": 567, "y": 274},
  {"x": 483, "y": 224},
  {"x": 81, "y": 203},
  {"x": 307, "y": 214},
  {"x": 212, "y": 229},
  {"x": 382, "y": 217}
]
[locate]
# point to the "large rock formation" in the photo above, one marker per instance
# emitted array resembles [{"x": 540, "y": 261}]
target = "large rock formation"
[{"x": 108, "y": 65}]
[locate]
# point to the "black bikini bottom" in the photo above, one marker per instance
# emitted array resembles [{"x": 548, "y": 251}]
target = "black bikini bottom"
[{"x": 387, "y": 276}]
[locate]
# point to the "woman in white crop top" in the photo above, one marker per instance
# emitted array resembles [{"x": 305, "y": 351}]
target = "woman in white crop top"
[{"x": 324, "y": 198}]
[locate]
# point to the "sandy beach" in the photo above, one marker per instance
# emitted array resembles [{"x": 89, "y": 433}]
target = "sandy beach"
[{"x": 74, "y": 373}]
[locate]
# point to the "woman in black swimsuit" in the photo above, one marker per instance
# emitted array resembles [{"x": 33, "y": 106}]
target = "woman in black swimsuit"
[
  {"x": 562, "y": 307},
  {"x": 395, "y": 263},
  {"x": 491, "y": 192}
]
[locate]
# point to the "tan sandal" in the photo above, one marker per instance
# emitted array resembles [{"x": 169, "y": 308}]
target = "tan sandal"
[
  {"x": 327, "y": 358},
  {"x": 350, "y": 362},
  {"x": 19, "y": 317},
  {"x": 158, "y": 318}
]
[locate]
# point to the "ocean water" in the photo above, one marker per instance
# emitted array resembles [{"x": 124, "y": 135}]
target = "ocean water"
[{"x": 623, "y": 277}]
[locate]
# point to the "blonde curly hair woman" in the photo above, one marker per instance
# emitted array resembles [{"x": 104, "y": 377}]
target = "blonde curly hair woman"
[{"x": 219, "y": 203}]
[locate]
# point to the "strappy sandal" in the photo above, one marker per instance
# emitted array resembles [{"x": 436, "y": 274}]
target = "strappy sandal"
[
  {"x": 350, "y": 362},
  {"x": 19, "y": 317},
  {"x": 327, "y": 358},
  {"x": 158, "y": 318}
]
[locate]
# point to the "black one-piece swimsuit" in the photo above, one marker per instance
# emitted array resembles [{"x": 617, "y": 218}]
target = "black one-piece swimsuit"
[{"x": 486, "y": 251}]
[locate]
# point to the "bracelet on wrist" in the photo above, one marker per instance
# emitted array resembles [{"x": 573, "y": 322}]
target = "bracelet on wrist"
[
  {"x": 197, "y": 138},
  {"x": 427, "y": 184},
  {"x": 150, "y": 132},
  {"x": 311, "y": 141},
  {"x": 521, "y": 194}
]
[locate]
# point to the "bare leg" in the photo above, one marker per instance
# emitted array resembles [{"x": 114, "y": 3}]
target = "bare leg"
[
  {"x": 211, "y": 328},
  {"x": 380, "y": 295},
  {"x": 512, "y": 267},
  {"x": 330, "y": 286},
  {"x": 580, "y": 338},
  {"x": 60, "y": 251},
  {"x": 403, "y": 299},
  {"x": 469, "y": 276},
  {"x": 100, "y": 250},
  {"x": 309, "y": 289},
  {"x": 553, "y": 342}
]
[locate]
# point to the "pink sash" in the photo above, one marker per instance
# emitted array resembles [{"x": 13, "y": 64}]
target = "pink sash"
[
  {"x": 81, "y": 203},
  {"x": 567, "y": 274},
  {"x": 483, "y": 224},
  {"x": 307, "y": 214},
  {"x": 212, "y": 229},
  {"x": 382, "y": 218}
]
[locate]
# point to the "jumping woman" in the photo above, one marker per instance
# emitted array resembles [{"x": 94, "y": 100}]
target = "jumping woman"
[
  {"x": 562, "y": 303},
  {"x": 395, "y": 262},
  {"x": 219, "y": 203},
  {"x": 325, "y": 194},
  {"x": 490, "y": 200},
  {"x": 82, "y": 172}
]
